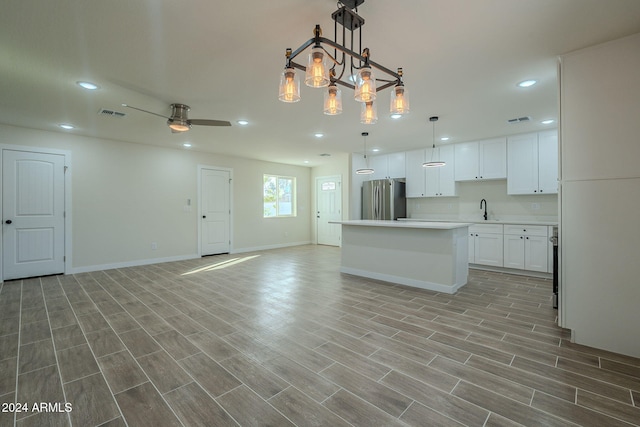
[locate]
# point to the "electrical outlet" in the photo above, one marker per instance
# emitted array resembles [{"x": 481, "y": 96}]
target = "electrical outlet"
[
  {"x": 154, "y": 246},
  {"x": 535, "y": 206}
]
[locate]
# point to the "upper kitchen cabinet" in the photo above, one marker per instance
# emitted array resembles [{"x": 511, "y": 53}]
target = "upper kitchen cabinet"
[
  {"x": 481, "y": 160},
  {"x": 533, "y": 163},
  {"x": 388, "y": 165},
  {"x": 430, "y": 182}
]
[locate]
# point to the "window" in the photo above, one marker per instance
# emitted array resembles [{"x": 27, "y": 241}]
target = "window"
[{"x": 279, "y": 194}]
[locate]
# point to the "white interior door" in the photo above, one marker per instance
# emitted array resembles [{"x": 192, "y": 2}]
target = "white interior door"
[
  {"x": 32, "y": 214},
  {"x": 329, "y": 208},
  {"x": 215, "y": 216}
]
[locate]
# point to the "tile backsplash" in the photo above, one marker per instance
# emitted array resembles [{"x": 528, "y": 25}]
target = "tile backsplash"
[{"x": 500, "y": 205}]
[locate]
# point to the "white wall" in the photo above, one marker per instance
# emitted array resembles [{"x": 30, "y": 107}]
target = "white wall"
[
  {"x": 126, "y": 196},
  {"x": 500, "y": 205},
  {"x": 600, "y": 195}
]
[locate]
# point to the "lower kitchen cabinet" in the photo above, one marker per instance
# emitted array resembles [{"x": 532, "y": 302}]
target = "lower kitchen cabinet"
[
  {"x": 486, "y": 244},
  {"x": 526, "y": 247}
]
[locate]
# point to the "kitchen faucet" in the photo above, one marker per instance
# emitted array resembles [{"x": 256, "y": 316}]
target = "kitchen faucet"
[{"x": 485, "y": 208}]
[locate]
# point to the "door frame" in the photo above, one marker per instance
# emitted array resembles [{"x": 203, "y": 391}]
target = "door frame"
[
  {"x": 199, "y": 198},
  {"x": 68, "y": 258},
  {"x": 315, "y": 189}
]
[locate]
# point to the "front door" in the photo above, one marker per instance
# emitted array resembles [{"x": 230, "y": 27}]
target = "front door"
[
  {"x": 215, "y": 211},
  {"x": 329, "y": 208},
  {"x": 32, "y": 214}
]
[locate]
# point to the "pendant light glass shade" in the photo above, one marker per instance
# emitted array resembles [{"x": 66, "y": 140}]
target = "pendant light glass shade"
[
  {"x": 317, "y": 74},
  {"x": 368, "y": 113},
  {"x": 366, "y": 170},
  {"x": 333, "y": 100},
  {"x": 365, "y": 84},
  {"x": 399, "y": 100},
  {"x": 289, "y": 90}
]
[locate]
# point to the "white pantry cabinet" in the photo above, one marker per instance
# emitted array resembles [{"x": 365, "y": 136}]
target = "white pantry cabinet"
[
  {"x": 388, "y": 165},
  {"x": 430, "y": 182},
  {"x": 532, "y": 163},
  {"x": 486, "y": 244},
  {"x": 526, "y": 247},
  {"x": 481, "y": 160}
]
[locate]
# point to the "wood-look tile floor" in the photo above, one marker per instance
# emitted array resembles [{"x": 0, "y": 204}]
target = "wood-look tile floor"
[{"x": 283, "y": 338}]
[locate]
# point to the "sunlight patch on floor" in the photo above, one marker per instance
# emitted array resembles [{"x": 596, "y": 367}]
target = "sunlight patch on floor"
[{"x": 220, "y": 265}]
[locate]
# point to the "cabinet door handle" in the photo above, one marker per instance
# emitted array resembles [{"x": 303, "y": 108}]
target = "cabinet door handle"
[{"x": 521, "y": 237}]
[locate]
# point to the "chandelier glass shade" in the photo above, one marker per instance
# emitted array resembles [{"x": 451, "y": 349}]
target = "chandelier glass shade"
[
  {"x": 317, "y": 73},
  {"x": 333, "y": 100},
  {"x": 340, "y": 62},
  {"x": 399, "y": 100},
  {"x": 368, "y": 113},
  {"x": 289, "y": 86}
]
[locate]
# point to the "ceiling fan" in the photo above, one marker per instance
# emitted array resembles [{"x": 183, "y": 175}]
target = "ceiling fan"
[{"x": 179, "y": 120}]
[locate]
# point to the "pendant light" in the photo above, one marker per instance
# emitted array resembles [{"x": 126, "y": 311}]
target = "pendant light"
[
  {"x": 366, "y": 170},
  {"x": 433, "y": 163}
]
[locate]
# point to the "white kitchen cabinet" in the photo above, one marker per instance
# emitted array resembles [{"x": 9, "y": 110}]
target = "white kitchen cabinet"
[
  {"x": 388, "y": 165},
  {"x": 532, "y": 161},
  {"x": 486, "y": 244},
  {"x": 526, "y": 247},
  {"x": 481, "y": 160},
  {"x": 430, "y": 182}
]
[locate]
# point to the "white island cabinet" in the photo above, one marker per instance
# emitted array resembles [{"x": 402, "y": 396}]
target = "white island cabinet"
[{"x": 428, "y": 255}]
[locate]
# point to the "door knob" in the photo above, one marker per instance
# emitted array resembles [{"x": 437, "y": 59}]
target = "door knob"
[
  {"x": 8, "y": 221},
  {"x": 204, "y": 216}
]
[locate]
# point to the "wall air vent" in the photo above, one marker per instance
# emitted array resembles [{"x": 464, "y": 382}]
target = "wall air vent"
[
  {"x": 519, "y": 120},
  {"x": 111, "y": 113}
]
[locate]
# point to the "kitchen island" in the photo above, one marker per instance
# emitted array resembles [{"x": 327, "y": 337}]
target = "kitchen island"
[{"x": 428, "y": 255}]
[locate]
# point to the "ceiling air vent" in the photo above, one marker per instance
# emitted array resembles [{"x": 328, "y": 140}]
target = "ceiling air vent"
[
  {"x": 519, "y": 120},
  {"x": 111, "y": 113}
]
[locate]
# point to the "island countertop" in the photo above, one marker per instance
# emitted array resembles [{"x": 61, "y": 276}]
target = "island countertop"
[{"x": 437, "y": 225}]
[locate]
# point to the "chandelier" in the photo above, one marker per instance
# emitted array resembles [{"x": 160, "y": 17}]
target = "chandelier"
[{"x": 342, "y": 65}]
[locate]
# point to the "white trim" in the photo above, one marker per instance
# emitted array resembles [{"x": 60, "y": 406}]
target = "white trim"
[
  {"x": 267, "y": 247},
  {"x": 422, "y": 284},
  {"x": 199, "y": 190},
  {"x": 136, "y": 263},
  {"x": 68, "y": 251}
]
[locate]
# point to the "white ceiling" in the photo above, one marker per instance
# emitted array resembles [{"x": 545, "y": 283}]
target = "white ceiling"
[{"x": 461, "y": 58}]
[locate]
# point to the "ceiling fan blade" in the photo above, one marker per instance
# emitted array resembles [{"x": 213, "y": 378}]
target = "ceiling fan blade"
[
  {"x": 145, "y": 111},
  {"x": 205, "y": 122}
]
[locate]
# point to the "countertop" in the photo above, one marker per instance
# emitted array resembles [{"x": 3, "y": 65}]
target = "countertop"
[
  {"x": 423, "y": 224},
  {"x": 490, "y": 221}
]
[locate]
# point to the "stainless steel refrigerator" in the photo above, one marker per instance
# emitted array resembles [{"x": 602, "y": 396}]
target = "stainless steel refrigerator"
[{"x": 383, "y": 199}]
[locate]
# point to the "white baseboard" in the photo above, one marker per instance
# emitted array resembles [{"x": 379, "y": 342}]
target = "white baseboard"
[
  {"x": 264, "y": 248},
  {"x": 422, "y": 284},
  {"x": 136, "y": 263}
]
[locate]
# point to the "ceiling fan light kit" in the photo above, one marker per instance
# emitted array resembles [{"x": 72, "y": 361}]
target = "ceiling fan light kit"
[{"x": 348, "y": 67}]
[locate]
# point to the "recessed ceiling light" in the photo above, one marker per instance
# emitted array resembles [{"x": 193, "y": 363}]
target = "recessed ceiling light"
[
  {"x": 319, "y": 135},
  {"x": 375, "y": 150},
  {"x": 242, "y": 122},
  {"x": 444, "y": 138},
  {"x": 88, "y": 85},
  {"x": 527, "y": 83},
  {"x": 66, "y": 126},
  {"x": 306, "y": 161},
  {"x": 547, "y": 122},
  {"x": 396, "y": 116},
  {"x": 186, "y": 145}
]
